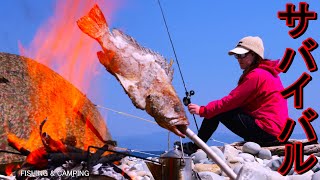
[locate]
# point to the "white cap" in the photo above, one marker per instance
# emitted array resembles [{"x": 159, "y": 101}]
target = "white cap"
[{"x": 248, "y": 43}]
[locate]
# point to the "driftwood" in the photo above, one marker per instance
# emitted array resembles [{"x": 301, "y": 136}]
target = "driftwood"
[{"x": 309, "y": 147}]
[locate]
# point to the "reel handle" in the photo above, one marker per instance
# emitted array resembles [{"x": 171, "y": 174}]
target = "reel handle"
[{"x": 187, "y": 98}]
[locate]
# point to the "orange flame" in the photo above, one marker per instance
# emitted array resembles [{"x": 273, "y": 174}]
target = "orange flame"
[
  {"x": 37, "y": 158},
  {"x": 15, "y": 141},
  {"x": 60, "y": 45},
  {"x": 10, "y": 168},
  {"x": 53, "y": 145}
]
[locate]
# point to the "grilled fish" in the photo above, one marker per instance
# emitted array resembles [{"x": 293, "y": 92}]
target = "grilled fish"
[{"x": 145, "y": 75}]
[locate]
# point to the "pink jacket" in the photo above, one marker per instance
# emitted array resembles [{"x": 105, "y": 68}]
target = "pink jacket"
[{"x": 257, "y": 95}]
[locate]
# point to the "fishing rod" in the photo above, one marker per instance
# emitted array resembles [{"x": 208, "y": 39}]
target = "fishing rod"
[{"x": 187, "y": 98}]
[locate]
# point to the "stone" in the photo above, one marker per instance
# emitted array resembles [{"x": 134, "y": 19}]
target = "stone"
[
  {"x": 247, "y": 157},
  {"x": 137, "y": 167},
  {"x": 207, "y": 167},
  {"x": 275, "y": 164},
  {"x": 141, "y": 173},
  {"x": 265, "y": 154},
  {"x": 266, "y": 161},
  {"x": 304, "y": 176},
  {"x": 260, "y": 161},
  {"x": 236, "y": 160},
  {"x": 316, "y": 167},
  {"x": 316, "y": 176},
  {"x": 251, "y": 147},
  {"x": 218, "y": 152},
  {"x": 202, "y": 161},
  {"x": 254, "y": 171},
  {"x": 231, "y": 155},
  {"x": 198, "y": 156},
  {"x": 210, "y": 176},
  {"x": 31, "y": 92},
  {"x": 230, "y": 152},
  {"x": 237, "y": 168},
  {"x": 208, "y": 161},
  {"x": 146, "y": 178}
]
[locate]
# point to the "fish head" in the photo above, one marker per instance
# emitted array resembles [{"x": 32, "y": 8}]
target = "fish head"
[{"x": 168, "y": 111}]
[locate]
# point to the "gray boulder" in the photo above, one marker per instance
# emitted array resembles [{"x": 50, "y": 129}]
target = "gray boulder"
[
  {"x": 251, "y": 147},
  {"x": 265, "y": 154}
]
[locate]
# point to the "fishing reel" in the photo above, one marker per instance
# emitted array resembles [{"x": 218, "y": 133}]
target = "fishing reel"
[{"x": 187, "y": 99}]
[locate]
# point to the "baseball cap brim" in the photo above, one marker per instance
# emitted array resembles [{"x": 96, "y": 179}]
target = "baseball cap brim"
[{"x": 238, "y": 50}]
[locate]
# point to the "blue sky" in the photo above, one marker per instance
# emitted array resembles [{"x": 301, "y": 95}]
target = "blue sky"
[{"x": 202, "y": 33}]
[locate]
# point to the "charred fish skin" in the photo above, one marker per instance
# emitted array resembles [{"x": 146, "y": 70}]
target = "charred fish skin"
[{"x": 145, "y": 75}]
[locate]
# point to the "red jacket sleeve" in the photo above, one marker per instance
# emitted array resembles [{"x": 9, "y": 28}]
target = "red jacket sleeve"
[{"x": 236, "y": 98}]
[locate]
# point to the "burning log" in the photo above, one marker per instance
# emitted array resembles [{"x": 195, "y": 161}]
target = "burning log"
[
  {"x": 55, "y": 153},
  {"x": 30, "y": 92}
]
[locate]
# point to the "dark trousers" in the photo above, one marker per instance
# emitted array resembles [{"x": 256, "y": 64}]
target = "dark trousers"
[{"x": 239, "y": 123}]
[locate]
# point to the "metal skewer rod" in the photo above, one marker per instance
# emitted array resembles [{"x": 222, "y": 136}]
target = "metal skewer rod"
[{"x": 190, "y": 134}]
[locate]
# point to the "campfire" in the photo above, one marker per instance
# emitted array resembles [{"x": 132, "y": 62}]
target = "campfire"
[{"x": 63, "y": 158}]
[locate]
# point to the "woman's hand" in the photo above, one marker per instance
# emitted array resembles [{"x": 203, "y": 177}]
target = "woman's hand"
[{"x": 194, "y": 108}]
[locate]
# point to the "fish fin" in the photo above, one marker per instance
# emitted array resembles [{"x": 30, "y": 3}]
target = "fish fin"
[
  {"x": 94, "y": 23},
  {"x": 105, "y": 59}
]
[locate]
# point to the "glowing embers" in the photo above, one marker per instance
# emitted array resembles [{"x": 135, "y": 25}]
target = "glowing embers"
[{"x": 44, "y": 161}]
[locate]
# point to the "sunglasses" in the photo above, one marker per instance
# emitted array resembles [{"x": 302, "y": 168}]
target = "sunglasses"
[{"x": 241, "y": 56}]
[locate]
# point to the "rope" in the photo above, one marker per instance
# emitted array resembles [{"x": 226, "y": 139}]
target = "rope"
[
  {"x": 147, "y": 120},
  {"x": 141, "y": 152},
  {"x": 125, "y": 114}
]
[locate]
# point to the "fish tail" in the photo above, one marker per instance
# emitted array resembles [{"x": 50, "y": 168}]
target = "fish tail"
[{"x": 94, "y": 23}]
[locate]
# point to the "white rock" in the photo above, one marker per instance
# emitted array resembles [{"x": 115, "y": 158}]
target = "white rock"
[
  {"x": 237, "y": 168},
  {"x": 96, "y": 167},
  {"x": 137, "y": 167},
  {"x": 316, "y": 176},
  {"x": 198, "y": 156},
  {"x": 275, "y": 157},
  {"x": 266, "y": 161},
  {"x": 124, "y": 167},
  {"x": 230, "y": 151},
  {"x": 141, "y": 173},
  {"x": 210, "y": 176},
  {"x": 260, "y": 161},
  {"x": 146, "y": 178},
  {"x": 306, "y": 176},
  {"x": 254, "y": 171},
  {"x": 247, "y": 157},
  {"x": 236, "y": 160}
]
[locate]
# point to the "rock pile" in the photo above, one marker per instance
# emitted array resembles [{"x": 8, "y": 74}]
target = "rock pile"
[{"x": 250, "y": 163}]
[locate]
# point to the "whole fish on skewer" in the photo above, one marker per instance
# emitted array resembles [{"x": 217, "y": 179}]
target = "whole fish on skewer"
[{"x": 146, "y": 76}]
